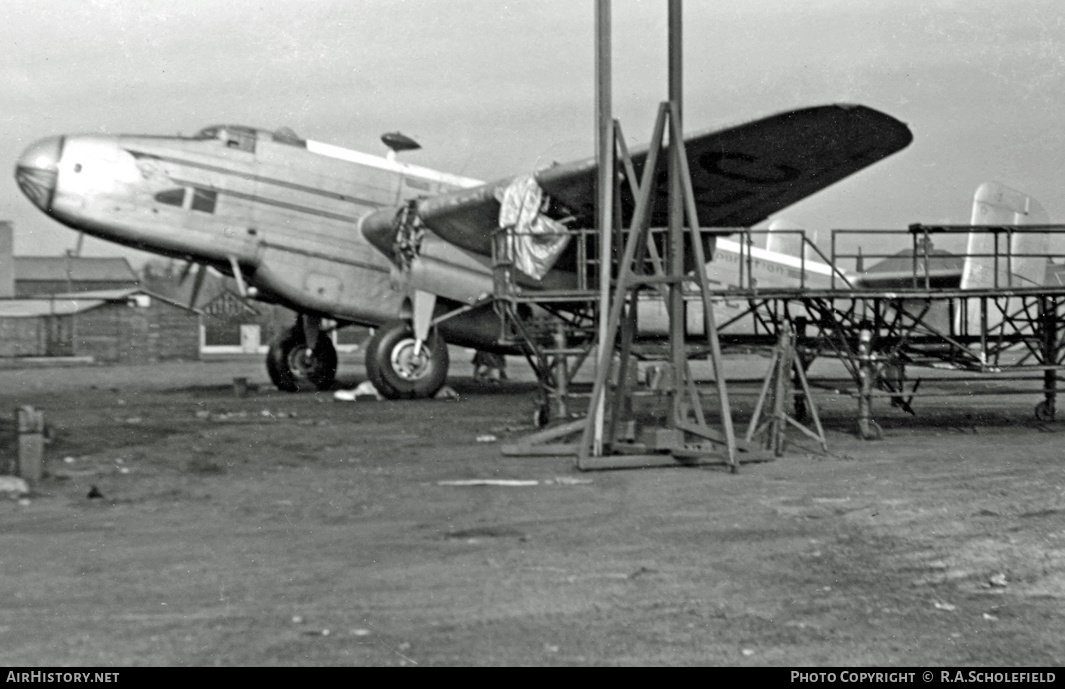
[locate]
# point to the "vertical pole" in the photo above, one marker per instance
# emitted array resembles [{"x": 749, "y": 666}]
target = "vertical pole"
[
  {"x": 605, "y": 208},
  {"x": 1047, "y": 315},
  {"x": 676, "y": 213},
  {"x": 561, "y": 372},
  {"x": 867, "y": 428},
  {"x": 30, "y": 444}
]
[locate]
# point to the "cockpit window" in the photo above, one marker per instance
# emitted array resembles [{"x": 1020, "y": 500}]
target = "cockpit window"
[
  {"x": 284, "y": 135},
  {"x": 232, "y": 135},
  {"x": 172, "y": 197},
  {"x": 244, "y": 138},
  {"x": 241, "y": 141},
  {"x": 204, "y": 199}
]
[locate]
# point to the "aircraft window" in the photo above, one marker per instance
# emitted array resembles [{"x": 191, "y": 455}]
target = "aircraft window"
[
  {"x": 171, "y": 197},
  {"x": 204, "y": 199},
  {"x": 240, "y": 141},
  {"x": 284, "y": 135}
]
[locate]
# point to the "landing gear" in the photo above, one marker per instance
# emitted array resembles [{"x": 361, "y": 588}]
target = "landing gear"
[
  {"x": 293, "y": 367},
  {"x": 1044, "y": 411},
  {"x": 397, "y": 370}
]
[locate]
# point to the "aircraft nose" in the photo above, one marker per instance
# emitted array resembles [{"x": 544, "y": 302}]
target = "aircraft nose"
[{"x": 37, "y": 170}]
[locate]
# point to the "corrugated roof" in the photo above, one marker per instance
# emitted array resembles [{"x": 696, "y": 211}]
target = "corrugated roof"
[
  {"x": 120, "y": 294},
  {"x": 35, "y": 308},
  {"x": 76, "y": 302},
  {"x": 75, "y": 268},
  {"x": 938, "y": 260},
  {"x": 942, "y": 266}
]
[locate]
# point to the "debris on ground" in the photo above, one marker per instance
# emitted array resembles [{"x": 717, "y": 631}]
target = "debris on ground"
[
  {"x": 944, "y": 606},
  {"x": 94, "y": 493},
  {"x": 488, "y": 482},
  {"x": 487, "y": 438},
  {"x": 13, "y": 486},
  {"x": 447, "y": 393},
  {"x": 266, "y": 413},
  {"x": 557, "y": 481},
  {"x": 569, "y": 481},
  {"x": 998, "y": 580},
  {"x": 364, "y": 391}
]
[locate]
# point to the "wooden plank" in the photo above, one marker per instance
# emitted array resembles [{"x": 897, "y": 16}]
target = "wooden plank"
[
  {"x": 554, "y": 432},
  {"x": 606, "y": 462},
  {"x": 685, "y": 459},
  {"x": 545, "y": 450}
]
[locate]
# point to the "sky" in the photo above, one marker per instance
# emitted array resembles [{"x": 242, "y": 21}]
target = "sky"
[{"x": 492, "y": 88}]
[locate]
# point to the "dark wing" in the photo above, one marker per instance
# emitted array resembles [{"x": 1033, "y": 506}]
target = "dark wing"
[{"x": 740, "y": 175}]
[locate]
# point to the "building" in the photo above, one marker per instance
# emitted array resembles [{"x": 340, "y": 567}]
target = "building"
[
  {"x": 30, "y": 276},
  {"x": 129, "y": 326},
  {"x": 37, "y": 275},
  {"x": 942, "y": 270}
]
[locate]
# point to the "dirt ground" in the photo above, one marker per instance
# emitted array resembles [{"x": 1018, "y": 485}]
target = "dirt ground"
[{"x": 280, "y": 529}]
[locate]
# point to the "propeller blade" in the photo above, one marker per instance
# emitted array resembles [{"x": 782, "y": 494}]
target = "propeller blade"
[
  {"x": 185, "y": 270},
  {"x": 197, "y": 283}
]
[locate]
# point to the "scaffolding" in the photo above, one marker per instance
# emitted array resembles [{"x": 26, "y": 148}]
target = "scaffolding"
[
  {"x": 813, "y": 309},
  {"x": 1006, "y": 334}
]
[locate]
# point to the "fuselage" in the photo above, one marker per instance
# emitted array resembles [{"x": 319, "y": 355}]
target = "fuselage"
[
  {"x": 287, "y": 212},
  {"x": 282, "y": 209}
]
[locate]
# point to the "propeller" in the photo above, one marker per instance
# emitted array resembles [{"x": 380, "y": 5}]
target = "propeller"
[{"x": 197, "y": 280}]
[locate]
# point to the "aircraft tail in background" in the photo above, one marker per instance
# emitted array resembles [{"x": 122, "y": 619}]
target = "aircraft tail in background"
[
  {"x": 996, "y": 204},
  {"x": 786, "y": 237},
  {"x": 1021, "y": 264}
]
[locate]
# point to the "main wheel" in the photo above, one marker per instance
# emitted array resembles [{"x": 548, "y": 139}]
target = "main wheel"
[
  {"x": 400, "y": 372},
  {"x": 294, "y": 368}
]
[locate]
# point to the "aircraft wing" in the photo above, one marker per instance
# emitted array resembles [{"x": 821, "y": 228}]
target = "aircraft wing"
[{"x": 740, "y": 175}]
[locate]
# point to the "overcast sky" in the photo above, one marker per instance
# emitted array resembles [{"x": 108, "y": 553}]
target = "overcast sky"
[{"x": 492, "y": 88}]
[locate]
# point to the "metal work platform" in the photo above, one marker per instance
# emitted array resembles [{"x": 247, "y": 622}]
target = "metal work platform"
[
  {"x": 1009, "y": 330},
  {"x": 709, "y": 288}
]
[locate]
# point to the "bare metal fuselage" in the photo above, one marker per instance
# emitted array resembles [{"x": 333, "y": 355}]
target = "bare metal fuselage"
[{"x": 284, "y": 210}]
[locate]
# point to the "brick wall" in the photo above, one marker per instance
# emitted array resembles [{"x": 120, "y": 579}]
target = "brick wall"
[{"x": 118, "y": 333}]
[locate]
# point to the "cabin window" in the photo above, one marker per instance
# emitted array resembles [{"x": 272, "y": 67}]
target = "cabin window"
[
  {"x": 172, "y": 197},
  {"x": 204, "y": 199}
]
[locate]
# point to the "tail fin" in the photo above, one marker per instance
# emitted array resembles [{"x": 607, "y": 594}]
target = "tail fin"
[
  {"x": 786, "y": 237},
  {"x": 995, "y": 204}
]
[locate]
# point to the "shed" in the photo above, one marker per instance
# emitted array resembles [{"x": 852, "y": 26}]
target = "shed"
[
  {"x": 128, "y": 326},
  {"x": 38, "y": 275},
  {"x": 943, "y": 269}
]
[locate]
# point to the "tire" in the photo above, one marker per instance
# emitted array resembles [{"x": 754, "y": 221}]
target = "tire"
[
  {"x": 393, "y": 370},
  {"x": 292, "y": 370}
]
